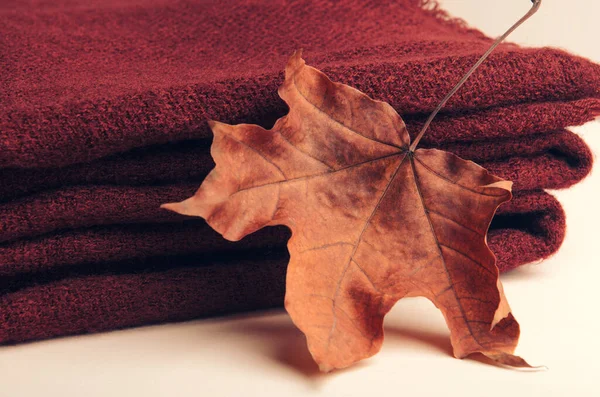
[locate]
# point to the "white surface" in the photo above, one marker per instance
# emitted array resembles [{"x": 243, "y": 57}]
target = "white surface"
[{"x": 264, "y": 355}]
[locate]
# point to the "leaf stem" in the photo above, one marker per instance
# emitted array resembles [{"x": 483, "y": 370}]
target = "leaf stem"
[{"x": 533, "y": 10}]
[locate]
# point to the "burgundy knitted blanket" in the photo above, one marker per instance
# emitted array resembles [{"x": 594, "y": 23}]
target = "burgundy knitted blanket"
[{"x": 103, "y": 117}]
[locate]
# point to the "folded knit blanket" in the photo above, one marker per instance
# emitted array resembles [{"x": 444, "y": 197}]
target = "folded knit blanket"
[
  {"x": 535, "y": 216},
  {"x": 88, "y": 195},
  {"x": 131, "y": 293},
  {"x": 58, "y": 299},
  {"x": 123, "y": 74},
  {"x": 550, "y": 160},
  {"x": 104, "y": 118}
]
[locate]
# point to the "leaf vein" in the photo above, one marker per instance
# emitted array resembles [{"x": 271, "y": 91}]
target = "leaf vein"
[
  {"x": 366, "y": 275},
  {"x": 460, "y": 308},
  {"x": 257, "y": 152},
  {"x": 303, "y": 152},
  {"x": 453, "y": 182},
  {"x": 469, "y": 258},
  {"x": 308, "y": 177},
  {"x": 324, "y": 246},
  {"x": 343, "y": 275},
  {"x": 456, "y": 222},
  {"x": 336, "y": 120}
]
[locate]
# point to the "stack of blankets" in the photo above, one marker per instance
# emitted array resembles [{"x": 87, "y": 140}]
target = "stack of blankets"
[{"x": 103, "y": 109}]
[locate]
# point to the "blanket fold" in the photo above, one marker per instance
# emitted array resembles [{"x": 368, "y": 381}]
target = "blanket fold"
[
  {"x": 128, "y": 75},
  {"x": 535, "y": 217},
  {"x": 554, "y": 160},
  {"x": 104, "y": 295},
  {"x": 159, "y": 290}
]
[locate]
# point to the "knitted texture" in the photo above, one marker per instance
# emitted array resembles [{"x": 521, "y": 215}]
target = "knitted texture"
[
  {"x": 104, "y": 118},
  {"x": 119, "y": 75},
  {"x": 550, "y": 160},
  {"x": 130, "y": 294},
  {"x": 525, "y": 213},
  {"x": 108, "y": 295}
]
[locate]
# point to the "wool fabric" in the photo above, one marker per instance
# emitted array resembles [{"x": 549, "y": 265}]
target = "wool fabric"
[
  {"x": 66, "y": 299},
  {"x": 527, "y": 213},
  {"x": 550, "y": 160},
  {"x": 123, "y": 74},
  {"x": 130, "y": 293}
]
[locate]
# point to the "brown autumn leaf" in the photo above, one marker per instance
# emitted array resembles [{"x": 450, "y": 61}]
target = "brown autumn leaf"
[{"x": 371, "y": 220}]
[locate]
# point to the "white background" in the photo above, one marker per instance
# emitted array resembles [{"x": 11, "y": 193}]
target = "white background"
[{"x": 555, "y": 302}]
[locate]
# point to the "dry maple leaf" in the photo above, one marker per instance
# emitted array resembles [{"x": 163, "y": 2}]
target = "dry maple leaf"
[{"x": 372, "y": 220}]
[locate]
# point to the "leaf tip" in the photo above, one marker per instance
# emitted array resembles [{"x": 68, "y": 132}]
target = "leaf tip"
[
  {"x": 506, "y": 185},
  {"x": 184, "y": 207},
  {"x": 294, "y": 63},
  {"x": 325, "y": 368},
  {"x": 169, "y": 206},
  {"x": 214, "y": 124},
  {"x": 297, "y": 54},
  {"x": 510, "y": 360}
]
